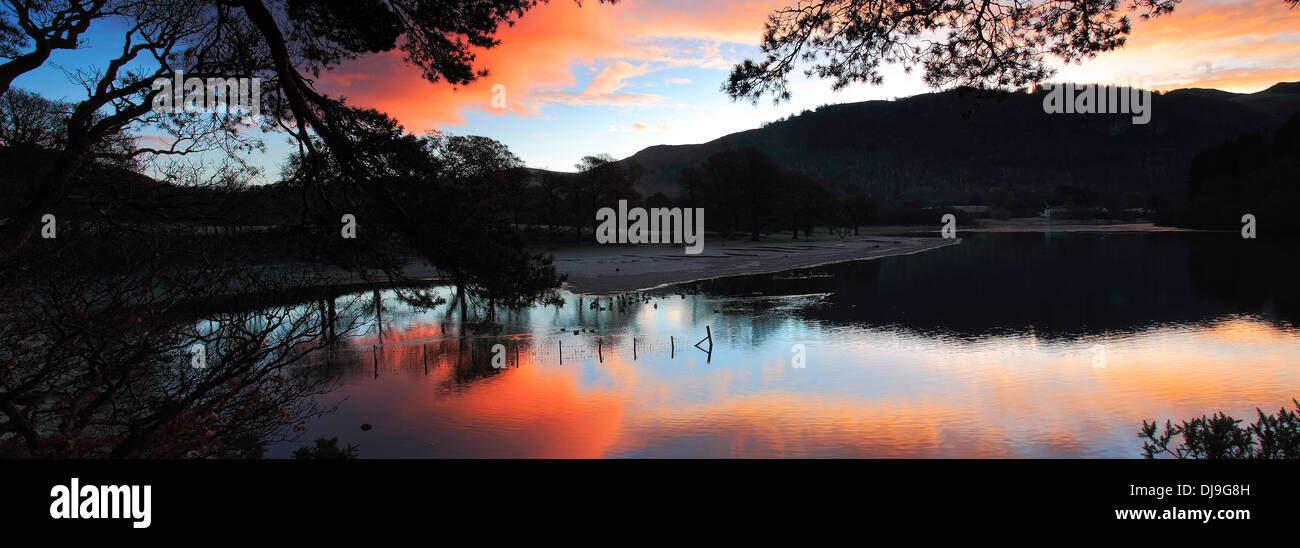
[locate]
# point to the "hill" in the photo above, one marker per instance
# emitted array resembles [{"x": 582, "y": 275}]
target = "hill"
[{"x": 952, "y": 147}]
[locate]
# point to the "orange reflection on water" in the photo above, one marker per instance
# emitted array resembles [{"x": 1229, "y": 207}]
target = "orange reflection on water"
[{"x": 893, "y": 394}]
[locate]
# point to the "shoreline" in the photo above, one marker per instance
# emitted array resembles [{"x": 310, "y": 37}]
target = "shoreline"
[
  {"x": 608, "y": 270},
  {"x": 1038, "y": 224},
  {"x": 601, "y": 270}
]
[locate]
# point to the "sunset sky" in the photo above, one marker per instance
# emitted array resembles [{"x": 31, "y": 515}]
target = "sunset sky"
[{"x": 616, "y": 79}]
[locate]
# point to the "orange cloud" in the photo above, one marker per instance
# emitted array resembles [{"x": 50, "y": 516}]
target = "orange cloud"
[
  {"x": 612, "y": 78},
  {"x": 535, "y": 53},
  {"x": 1239, "y": 45},
  {"x": 1236, "y": 45},
  {"x": 535, "y": 60}
]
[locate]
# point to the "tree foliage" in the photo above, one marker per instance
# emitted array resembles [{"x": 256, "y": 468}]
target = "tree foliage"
[
  {"x": 746, "y": 191},
  {"x": 30, "y": 121},
  {"x": 1222, "y": 437},
  {"x": 326, "y": 449},
  {"x": 981, "y": 43},
  {"x": 1253, "y": 173}
]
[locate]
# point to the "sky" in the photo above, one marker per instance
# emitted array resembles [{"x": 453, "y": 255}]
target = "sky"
[{"x": 615, "y": 79}]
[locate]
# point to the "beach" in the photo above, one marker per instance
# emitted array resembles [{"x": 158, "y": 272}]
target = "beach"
[{"x": 616, "y": 269}]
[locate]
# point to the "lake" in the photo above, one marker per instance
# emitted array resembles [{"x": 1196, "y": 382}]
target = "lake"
[{"x": 1006, "y": 345}]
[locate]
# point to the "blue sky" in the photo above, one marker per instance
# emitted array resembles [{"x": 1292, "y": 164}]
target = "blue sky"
[{"x": 617, "y": 79}]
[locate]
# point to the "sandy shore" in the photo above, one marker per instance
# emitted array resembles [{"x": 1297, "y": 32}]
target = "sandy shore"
[
  {"x": 613, "y": 269},
  {"x": 604, "y": 270}
]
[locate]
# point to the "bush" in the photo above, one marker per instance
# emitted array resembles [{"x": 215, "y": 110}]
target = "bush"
[
  {"x": 326, "y": 449},
  {"x": 1222, "y": 437}
]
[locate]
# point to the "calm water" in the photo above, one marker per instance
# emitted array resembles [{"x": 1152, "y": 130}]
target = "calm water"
[{"x": 991, "y": 348}]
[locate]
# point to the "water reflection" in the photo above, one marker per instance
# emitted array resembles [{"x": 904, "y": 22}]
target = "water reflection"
[{"x": 977, "y": 350}]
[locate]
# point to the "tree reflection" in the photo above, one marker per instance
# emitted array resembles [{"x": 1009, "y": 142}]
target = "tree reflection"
[{"x": 101, "y": 349}]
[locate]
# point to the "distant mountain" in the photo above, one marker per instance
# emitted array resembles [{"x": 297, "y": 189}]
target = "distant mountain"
[{"x": 951, "y": 147}]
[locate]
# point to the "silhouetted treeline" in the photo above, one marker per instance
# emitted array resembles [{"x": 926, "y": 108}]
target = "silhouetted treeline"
[
  {"x": 744, "y": 194},
  {"x": 564, "y": 205},
  {"x": 743, "y": 191},
  {"x": 1256, "y": 173}
]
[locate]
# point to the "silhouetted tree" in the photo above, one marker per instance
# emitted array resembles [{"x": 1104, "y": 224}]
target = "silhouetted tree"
[
  {"x": 31, "y": 31},
  {"x": 983, "y": 43},
  {"x": 803, "y": 202},
  {"x": 744, "y": 184},
  {"x": 472, "y": 158},
  {"x": 858, "y": 207},
  {"x": 102, "y": 320},
  {"x": 602, "y": 182},
  {"x": 326, "y": 449},
  {"x": 29, "y": 121},
  {"x": 1249, "y": 174},
  {"x": 278, "y": 42},
  {"x": 691, "y": 184},
  {"x": 552, "y": 194}
]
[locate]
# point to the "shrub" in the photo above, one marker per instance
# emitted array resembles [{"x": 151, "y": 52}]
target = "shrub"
[
  {"x": 326, "y": 449},
  {"x": 1222, "y": 437}
]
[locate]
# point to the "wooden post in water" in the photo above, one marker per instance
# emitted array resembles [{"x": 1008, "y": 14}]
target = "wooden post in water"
[
  {"x": 425, "y": 349},
  {"x": 708, "y": 338},
  {"x": 672, "y": 348},
  {"x": 634, "y": 348},
  {"x": 599, "y": 352},
  {"x": 709, "y": 356},
  {"x": 374, "y": 353},
  {"x": 561, "y": 352}
]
